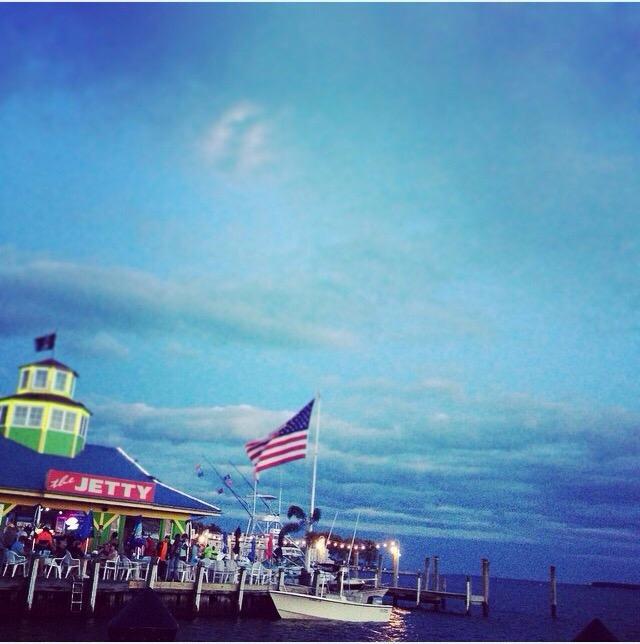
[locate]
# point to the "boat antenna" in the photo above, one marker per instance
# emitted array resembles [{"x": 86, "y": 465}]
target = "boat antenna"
[
  {"x": 239, "y": 499},
  {"x": 353, "y": 538},
  {"x": 250, "y": 484},
  {"x": 333, "y": 523}
]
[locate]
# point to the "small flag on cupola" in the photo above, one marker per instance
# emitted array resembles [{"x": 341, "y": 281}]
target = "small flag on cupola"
[
  {"x": 45, "y": 342},
  {"x": 199, "y": 471}
]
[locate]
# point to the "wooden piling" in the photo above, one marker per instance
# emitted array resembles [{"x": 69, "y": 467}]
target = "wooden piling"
[
  {"x": 316, "y": 582},
  {"x": 467, "y": 601},
  {"x": 378, "y": 581},
  {"x": 485, "y": 587},
  {"x": 341, "y": 581},
  {"x": 95, "y": 577},
  {"x": 396, "y": 570},
  {"x": 553, "y": 592},
  {"x": 425, "y": 580},
  {"x": 32, "y": 582},
  {"x": 418, "y": 588},
  {"x": 436, "y": 572},
  {"x": 152, "y": 573},
  {"x": 241, "y": 583},
  {"x": 197, "y": 588},
  {"x": 281, "y": 579}
]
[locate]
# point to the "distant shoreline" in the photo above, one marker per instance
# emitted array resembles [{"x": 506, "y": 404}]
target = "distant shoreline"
[{"x": 615, "y": 584}]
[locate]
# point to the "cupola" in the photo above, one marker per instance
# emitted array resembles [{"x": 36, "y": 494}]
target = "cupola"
[{"x": 42, "y": 414}]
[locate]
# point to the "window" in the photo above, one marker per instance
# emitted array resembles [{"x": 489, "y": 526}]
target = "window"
[
  {"x": 57, "y": 419},
  {"x": 69, "y": 421},
  {"x": 40, "y": 379},
  {"x": 84, "y": 423},
  {"x": 20, "y": 415},
  {"x": 24, "y": 416},
  {"x": 60, "y": 381},
  {"x": 24, "y": 380},
  {"x": 3, "y": 414},
  {"x": 35, "y": 416}
]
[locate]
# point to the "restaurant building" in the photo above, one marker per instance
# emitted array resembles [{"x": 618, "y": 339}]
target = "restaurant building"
[{"x": 50, "y": 474}]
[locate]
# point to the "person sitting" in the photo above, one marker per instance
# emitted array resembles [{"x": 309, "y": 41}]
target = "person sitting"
[
  {"x": 18, "y": 546},
  {"x": 106, "y": 552},
  {"x": 44, "y": 540},
  {"x": 75, "y": 549}
]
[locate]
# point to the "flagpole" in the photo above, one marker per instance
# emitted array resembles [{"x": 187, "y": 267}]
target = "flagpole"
[
  {"x": 255, "y": 498},
  {"x": 315, "y": 462}
]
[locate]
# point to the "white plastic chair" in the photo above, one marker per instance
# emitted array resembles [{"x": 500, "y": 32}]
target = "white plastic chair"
[
  {"x": 70, "y": 563},
  {"x": 125, "y": 568},
  {"x": 231, "y": 567},
  {"x": 14, "y": 559},
  {"x": 185, "y": 571},
  {"x": 110, "y": 568},
  {"x": 53, "y": 564}
]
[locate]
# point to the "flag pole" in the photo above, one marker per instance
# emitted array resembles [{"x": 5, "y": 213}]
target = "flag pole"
[
  {"x": 255, "y": 498},
  {"x": 315, "y": 462}
]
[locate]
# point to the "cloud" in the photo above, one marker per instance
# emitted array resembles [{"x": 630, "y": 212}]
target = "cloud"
[
  {"x": 238, "y": 140},
  {"x": 552, "y": 481},
  {"x": 96, "y": 303}
]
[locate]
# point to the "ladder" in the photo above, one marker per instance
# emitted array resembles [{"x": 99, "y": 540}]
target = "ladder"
[{"x": 76, "y": 596}]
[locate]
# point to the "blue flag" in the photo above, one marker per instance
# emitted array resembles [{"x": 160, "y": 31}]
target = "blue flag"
[{"x": 85, "y": 527}]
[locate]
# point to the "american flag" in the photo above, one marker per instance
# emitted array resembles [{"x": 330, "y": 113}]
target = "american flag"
[{"x": 287, "y": 443}]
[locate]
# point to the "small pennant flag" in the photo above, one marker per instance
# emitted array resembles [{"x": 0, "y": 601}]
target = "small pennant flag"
[
  {"x": 199, "y": 471},
  {"x": 220, "y": 490},
  {"x": 45, "y": 342},
  {"x": 227, "y": 480}
]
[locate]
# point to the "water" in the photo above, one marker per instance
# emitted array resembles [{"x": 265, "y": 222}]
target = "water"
[{"x": 519, "y": 612}]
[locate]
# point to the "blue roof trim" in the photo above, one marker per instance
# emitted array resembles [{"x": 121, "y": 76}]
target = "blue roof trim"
[{"x": 22, "y": 468}]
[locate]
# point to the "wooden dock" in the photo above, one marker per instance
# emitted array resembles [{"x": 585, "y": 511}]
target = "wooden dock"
[{"x": 437, "y": 596}]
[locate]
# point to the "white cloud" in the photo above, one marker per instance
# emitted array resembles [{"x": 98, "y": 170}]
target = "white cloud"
[{"x": 238, "y": 140}]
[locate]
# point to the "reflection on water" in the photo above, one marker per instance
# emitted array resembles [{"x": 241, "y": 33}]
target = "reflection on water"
[
  {"x": 394, "y": 631},
  {"x": 519, "y": 612}
]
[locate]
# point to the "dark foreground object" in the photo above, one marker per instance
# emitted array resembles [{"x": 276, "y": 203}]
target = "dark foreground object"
[
  {"x": 144, "y": 619},
  {"x": 595, "y": 631}
]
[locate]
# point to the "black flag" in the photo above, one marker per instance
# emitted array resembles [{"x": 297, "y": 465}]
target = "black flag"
[{"x": 45, "y": 342}]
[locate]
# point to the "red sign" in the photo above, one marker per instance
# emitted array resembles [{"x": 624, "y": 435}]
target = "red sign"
[{"x": 103, "y": 486}]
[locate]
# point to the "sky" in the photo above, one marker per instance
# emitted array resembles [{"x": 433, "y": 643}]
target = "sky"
[{"x": 425, "y": 213}]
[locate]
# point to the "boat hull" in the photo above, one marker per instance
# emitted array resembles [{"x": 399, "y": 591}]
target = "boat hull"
[{"x": 298, "y": 606}]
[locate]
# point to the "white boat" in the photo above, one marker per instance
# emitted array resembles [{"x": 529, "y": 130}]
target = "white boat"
[{"x": 299, "y": 606}]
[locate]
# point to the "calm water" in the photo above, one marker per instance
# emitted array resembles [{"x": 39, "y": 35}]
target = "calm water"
[{"x": 519, "y": 612}]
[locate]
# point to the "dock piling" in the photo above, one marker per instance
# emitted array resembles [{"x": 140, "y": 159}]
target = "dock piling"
[
  {"x": 396, "y": 568},
  {"x": 197, "y": 589},
  {"x": 152, "y": 573},
  {"x": 467, "y": 601},
  {"x": 95, "y": 577},
  {"x": 425, "y": 581},
  {"x": 241, "y": 583},
  {"x": 32, "y": 582},
  {"x": 280, "y": 579},
  {"x": 418, "y": 588},
  {"x": 485, "y": 587},
  {"x": 553, "y": 592},
  {"x": 436, "y": 572}
]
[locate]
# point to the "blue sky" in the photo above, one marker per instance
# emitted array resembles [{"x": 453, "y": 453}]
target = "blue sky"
[{"x": 428, "y": 213}]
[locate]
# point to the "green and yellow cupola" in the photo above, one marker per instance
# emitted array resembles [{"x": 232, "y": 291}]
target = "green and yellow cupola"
[{"x": 42, "y": 414}]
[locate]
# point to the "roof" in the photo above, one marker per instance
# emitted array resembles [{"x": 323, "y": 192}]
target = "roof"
[
  {"x": 63, "y": 400},
  {"x": 22, "y": 468},
  {"x": 50, "y": 362}
]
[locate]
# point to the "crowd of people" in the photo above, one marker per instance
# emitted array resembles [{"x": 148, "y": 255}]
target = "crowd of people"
[
  {"x": 26, "y": 541},
  {"x": 170, "y": 552}
]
